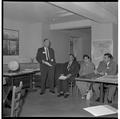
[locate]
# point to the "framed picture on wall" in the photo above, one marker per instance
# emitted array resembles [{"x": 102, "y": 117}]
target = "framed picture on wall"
[{"x": 10, "y": 42}]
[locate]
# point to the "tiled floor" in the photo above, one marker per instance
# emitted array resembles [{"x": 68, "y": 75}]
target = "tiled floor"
[{"x": 49, "y": 105}]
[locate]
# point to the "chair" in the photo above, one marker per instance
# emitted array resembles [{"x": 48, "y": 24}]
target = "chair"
[
  {"x": 73, "y": 84},
  {"x": 16, "y": 100}
]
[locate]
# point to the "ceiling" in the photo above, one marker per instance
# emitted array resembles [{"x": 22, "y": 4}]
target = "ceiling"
[
  {"x": 110, "y": 6},
  {"x": 46, "y": 12},
  {"x": 37, "y": 12}
]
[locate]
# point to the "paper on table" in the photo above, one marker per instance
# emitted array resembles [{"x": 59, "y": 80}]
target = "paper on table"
[
  {"x": 101, "y": 110},
  {"x": 62, "y": 77}
]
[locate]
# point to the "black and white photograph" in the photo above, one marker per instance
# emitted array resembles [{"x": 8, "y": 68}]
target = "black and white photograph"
[{"x": 60, "y": 59}]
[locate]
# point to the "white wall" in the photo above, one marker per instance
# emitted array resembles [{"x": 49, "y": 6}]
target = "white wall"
[
  {"x": 101, "y": 32},
  {"x": 29, "y": 40},
  {"x": 115, "y": 42},
  {"x": 31, "y": 36},
  {"x": 82, "y": 43},
  {"x": 60, "y": 42}
]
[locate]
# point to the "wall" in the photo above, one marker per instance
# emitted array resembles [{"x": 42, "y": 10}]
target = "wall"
[
  {"x": 60, "y": 42},
  {"x": 105, "y": 32},
  {"x": 29, "y": 39},
  {"x": 82, "y": 41},
  {"x": 115, "y": 42}
]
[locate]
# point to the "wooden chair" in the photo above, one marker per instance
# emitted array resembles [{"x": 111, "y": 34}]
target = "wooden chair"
[
  {"x": 73, "y": 84},
  {"x": 16, "y": 100}
]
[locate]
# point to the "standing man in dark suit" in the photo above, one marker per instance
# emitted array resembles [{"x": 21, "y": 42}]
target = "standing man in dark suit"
[{"x": 46, "y": 58}]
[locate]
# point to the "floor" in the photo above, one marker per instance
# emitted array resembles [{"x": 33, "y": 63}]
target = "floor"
[{"x": 49, "y": 105}]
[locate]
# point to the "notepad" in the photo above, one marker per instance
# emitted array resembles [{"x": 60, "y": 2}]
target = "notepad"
[
  {"x": 62, "y": 77},
  {"x": 101, "y": 110}
]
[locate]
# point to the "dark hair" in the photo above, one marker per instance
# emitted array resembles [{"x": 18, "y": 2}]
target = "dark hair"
[
  {"x": 45, "y": 39},
  {"x": 86, "y": 56},
  {"x": 73, "y": 57},
  {"x": 109, "y": 55}
]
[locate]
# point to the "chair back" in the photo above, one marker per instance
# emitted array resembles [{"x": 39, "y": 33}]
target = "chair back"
[{"x": 16, "y": 98}]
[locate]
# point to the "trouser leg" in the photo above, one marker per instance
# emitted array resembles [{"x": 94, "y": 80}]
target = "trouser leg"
[
  {"x": 111, "y": 91},
  {"x": 59, "y": 86},
  {"x": 51, "y": 77},
  {"x": 65, "y": 86},
  {"x": 44, "y": 72},
  {"x": 96, "y": 88}
]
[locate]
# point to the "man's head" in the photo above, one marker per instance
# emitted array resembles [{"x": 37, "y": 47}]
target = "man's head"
[
  {"x": 86, "y": 58},
  {"x": 107, "y": 57},
  {"x": 46, "y": 42}
]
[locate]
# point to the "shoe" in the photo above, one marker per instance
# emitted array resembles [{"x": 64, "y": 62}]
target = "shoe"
[
  {"x": 52, "y": 91},
  {"x": 98, "y": 99},
  {"x": 66, "y": 95},
  {"x": 41, "y": 93},
  {"x": 60, "y": 94},
  {"x": 109, "y": 101}
]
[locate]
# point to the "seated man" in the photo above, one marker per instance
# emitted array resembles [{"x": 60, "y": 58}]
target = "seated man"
[
  {"x": 87, "y": 67},
  {"x": 106, "y": 67},
  {"x": 71, "y": 69}
]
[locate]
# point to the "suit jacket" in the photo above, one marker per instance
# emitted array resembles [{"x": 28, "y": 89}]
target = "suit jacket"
[
  {"x": 111, "y": 69},
  {"x": 42, "y": 56},
  {"x": 73, "y": 69}
]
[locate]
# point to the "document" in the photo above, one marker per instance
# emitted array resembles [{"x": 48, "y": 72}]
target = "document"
[
  {"x": 62, "y": 77},
  {"x": 101, "y": 110}
]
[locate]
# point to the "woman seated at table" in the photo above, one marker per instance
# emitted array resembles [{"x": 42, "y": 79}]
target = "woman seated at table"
[
  {"x": 71, "y": 69},
  {"x": 87, "y": 67}
]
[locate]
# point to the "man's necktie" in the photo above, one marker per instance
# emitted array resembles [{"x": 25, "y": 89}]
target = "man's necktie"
[{"x": 47, "y": 53}]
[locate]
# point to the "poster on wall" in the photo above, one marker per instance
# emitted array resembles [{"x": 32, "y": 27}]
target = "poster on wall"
[
  {"x": 99, "y": 48},
  {"x": 10, "y": 42}
]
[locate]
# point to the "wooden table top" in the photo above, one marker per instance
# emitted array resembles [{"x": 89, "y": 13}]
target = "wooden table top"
[
  {"x": 25, "y": 71},
  {"x": 109, "y": 79}
]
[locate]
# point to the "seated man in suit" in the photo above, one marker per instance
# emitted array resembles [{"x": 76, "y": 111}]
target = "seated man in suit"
[
  {"x": 71, "y": 69},
  {"x": 87, "y": 67},
  {"x": 106, "y": 67}
]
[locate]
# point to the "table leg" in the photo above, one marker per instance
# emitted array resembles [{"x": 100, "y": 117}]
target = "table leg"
[
  {"x": 31, "y": 78},
  {"x": 101, "y": 92},
  {"x": 32, "y": 88}
]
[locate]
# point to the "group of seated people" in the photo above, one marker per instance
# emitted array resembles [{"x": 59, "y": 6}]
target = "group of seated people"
[{"x": 72, "y": 68}]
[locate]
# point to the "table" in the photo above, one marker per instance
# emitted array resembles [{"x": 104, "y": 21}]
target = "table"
[
  {"x": 109, "y": 79},
  {"x": 29, "y": 73}
]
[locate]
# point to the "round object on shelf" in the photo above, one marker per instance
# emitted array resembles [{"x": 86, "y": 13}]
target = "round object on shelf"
[{"x": 13, "y": 66}]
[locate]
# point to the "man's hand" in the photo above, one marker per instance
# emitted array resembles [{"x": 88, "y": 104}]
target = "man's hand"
[
  {"x": 101, "y": 73},
  {"x": 68, "y": 76},
  {"x": 47, "y": 63}
]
